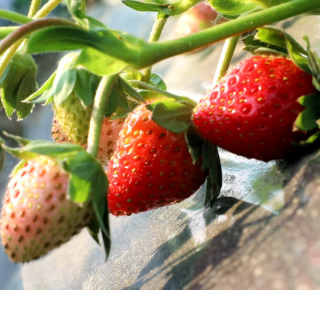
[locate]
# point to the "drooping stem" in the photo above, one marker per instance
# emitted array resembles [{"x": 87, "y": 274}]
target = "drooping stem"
[
  {"x": 47, "y": 8},
  {"x": 7, "y": 56},
  {"x": 225, "y": 58},
  {"x": 34, "y": 7},
  {"x": 159, "y": 51},
  {"x": 11, "y": 43},
  {"x": 99, "y": 105},
  {"x": 13, "y": 16},
  {"x": 154, "y": 36}
]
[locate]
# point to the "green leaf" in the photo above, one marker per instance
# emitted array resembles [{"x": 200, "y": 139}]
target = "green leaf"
[
  {"x": 278, "y": 37},
  {"x": 2, "y": 154},
  {"x": 119, "y": 114},
  {"x": 313, "y": 63},
  {"x": 117, "y": 44},
  {"x": 148, "y": 95},
  {"x": 80, "y": 184},
  {"x": 171, "y": 115},
  {"x": 99, "y": 63},
  {"x": 27, "y": 86},
  {"x": 6, "y": 72},
  {"x": 86, "y": 86},
  {"x": 16, "y": 88},
  {"x": 99, "y": 199},
  {"x": 47, "y": 90},
  {"x": 117, "y": 99},
  {"x": 310, "y": 142},
  {"x": 169, "y": 8},
  {"x": 298, "y": 59},
  {"x": 211, "y": 161},
  {"x": 20, "y": 140},
  {"x": 236, "y": 7},
  {"x": 133, "y": 93},
  {"x": 75, "y": 8},
  {"x": 181, "y": 99},
  {"x": 145, "y": 6},
  {"x": 307, "y": 119},
  {"x": 94, "y": 228},
  {"x": 156, "y": 81},
  {"x": 194, "y": 142},
  {"x": 65, "y": 86}
]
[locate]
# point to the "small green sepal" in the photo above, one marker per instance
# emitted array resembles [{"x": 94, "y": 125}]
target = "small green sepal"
[{"x": 18, "y": 83}]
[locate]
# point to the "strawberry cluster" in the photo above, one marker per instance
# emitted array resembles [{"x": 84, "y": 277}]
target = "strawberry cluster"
[{"x": 122, "y": 143}]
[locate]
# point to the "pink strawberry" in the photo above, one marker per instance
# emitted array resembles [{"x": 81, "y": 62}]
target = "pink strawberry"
[
  {"x": 36, "y": 215},
  {"x": 198, "y": 18},
  {"x": 108, "y": 138},
  {"x": 151, "y": 167},
  {"x": 252, "y": 110}
]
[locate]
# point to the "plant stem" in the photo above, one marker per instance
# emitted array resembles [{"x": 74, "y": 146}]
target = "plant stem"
[
  {"x": 11, "y": 43},
  {"x": 7, "y": 56},
  {"x": 15, "y": 17},
  {"x": 47, "y": 8},
  {"x": 225, "y": 58},
  {"x": 5, "y": 31},
  {"x": 154, "y": 36},
  {"x": 158, "y": 51},
  {"x": 34, "y": 7},
  {"x": 84, "y": 6},
  {"x": 100, "y": 102}
]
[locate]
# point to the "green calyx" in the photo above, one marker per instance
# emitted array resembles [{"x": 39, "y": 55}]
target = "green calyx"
[
  {"x": 71, "y": 89},
  {"x": 274, "y": 41},
  {"x": 16, "y": 84}
]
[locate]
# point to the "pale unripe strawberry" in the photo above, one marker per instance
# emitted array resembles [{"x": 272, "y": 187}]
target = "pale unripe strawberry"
[
  {"x": 36, "y": 215},
  {"x": 74, "y": 118},
  {"x": 108, "y": 139},
  {"x": 200, "y": 17}
]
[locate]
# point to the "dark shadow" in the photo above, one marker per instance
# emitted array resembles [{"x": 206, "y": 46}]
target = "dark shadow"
[{"x": 213, "y": 252}]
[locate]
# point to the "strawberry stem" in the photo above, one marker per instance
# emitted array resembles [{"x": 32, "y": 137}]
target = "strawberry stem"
[
  {"x": 34, "y": 7},
  {"x": 100, "y": 102},
  {"x": 154, "y": 36},
  {"x": 15, "y": 17},
  {"x": 84, "y": 6},
  {"x": 157, "y": 51},
  {"x": 225, "y": 58},
  {"x": 47, "y": 8},
  {"x": 11, "y": 50},
  {"x": 12, "y": 42}
]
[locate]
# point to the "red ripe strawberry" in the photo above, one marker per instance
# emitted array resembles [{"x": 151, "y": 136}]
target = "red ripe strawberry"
[
  {"x": 150, "y": 168},
  {"x": 252, "y": 110},
  {"x": 109, "y": 135},
  {"x": 36, "y": 216}
]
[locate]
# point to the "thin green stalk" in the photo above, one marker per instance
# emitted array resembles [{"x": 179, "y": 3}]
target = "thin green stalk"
[
  {"x": 34, "y": 7},
  {"x": 47, "y": 8},
  {"x": 225, "y": 58},
  {"x": 11, "y": 43},
  {"x": 154, "y": 36},
  {"x": 7, "y": 56},
  {"x": 13, "y": 16},
  {"x": 84, "y": 6},
  {"x": 99, "y": 105},
  {"x": 5, "y": 31},
  {"x": 158, "y": 51}
]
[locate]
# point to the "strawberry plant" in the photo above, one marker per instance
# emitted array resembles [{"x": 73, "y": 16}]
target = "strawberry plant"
[{"x": 109, "y": 106}]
